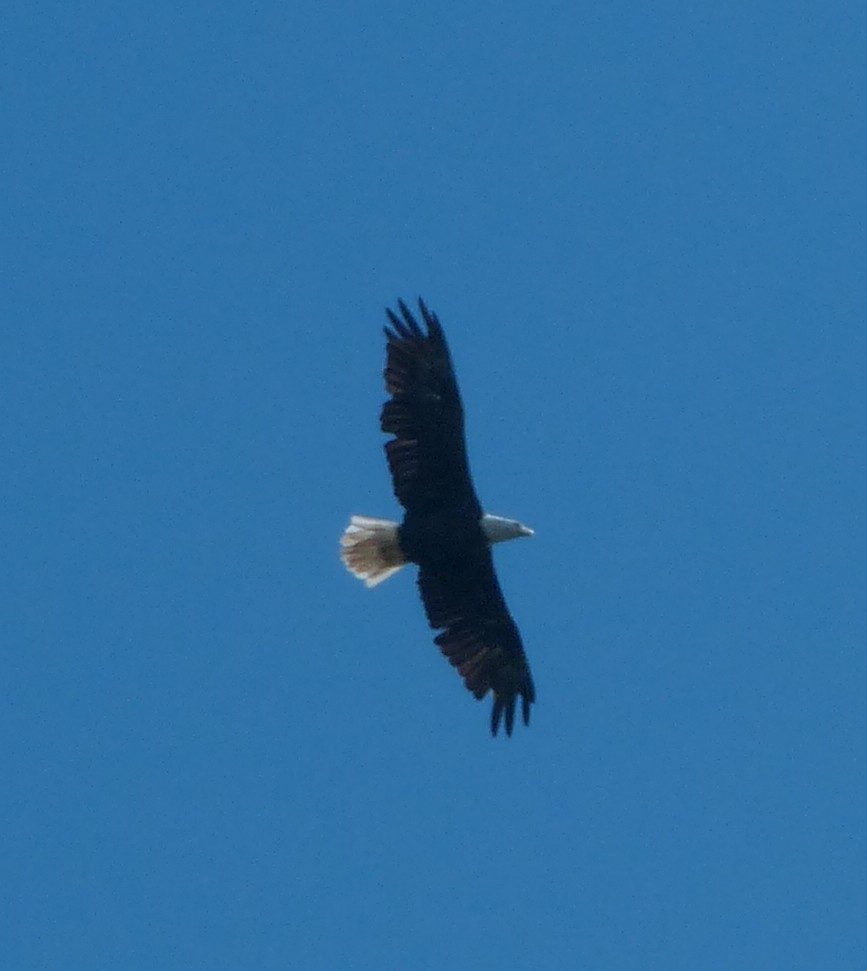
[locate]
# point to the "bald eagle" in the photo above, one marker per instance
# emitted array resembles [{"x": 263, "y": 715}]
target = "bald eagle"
[{"x": 444, "y": 530}]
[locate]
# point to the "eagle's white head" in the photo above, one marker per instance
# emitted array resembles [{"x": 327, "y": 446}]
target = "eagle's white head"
[{"x": 498, "y": 529}]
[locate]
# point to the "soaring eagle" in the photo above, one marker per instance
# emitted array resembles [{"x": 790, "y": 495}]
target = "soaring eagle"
[{"x": 444, "y": 530}]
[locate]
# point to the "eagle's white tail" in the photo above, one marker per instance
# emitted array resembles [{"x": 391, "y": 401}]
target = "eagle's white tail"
[{"x": 370, "y": 549}]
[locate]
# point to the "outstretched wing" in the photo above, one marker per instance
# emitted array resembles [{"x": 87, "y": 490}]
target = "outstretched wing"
[
  {"x": 480, "y": 638},
  {"x": 427, "y": 457}
]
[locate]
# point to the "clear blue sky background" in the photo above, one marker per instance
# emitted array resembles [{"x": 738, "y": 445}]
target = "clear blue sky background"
[{"x": 643, "y": 227}]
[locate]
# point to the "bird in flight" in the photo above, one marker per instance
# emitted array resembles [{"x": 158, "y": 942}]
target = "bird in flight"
[{"x": 444, "y": 530}]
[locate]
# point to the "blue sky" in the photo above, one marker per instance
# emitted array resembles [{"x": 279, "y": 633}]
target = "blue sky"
[{"x": 643, "y": 228}]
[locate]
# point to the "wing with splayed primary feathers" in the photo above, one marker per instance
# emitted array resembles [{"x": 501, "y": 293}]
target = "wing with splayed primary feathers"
[
  {"x": 427, "y": 456},
  {"x": 480, "y": 638}
]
